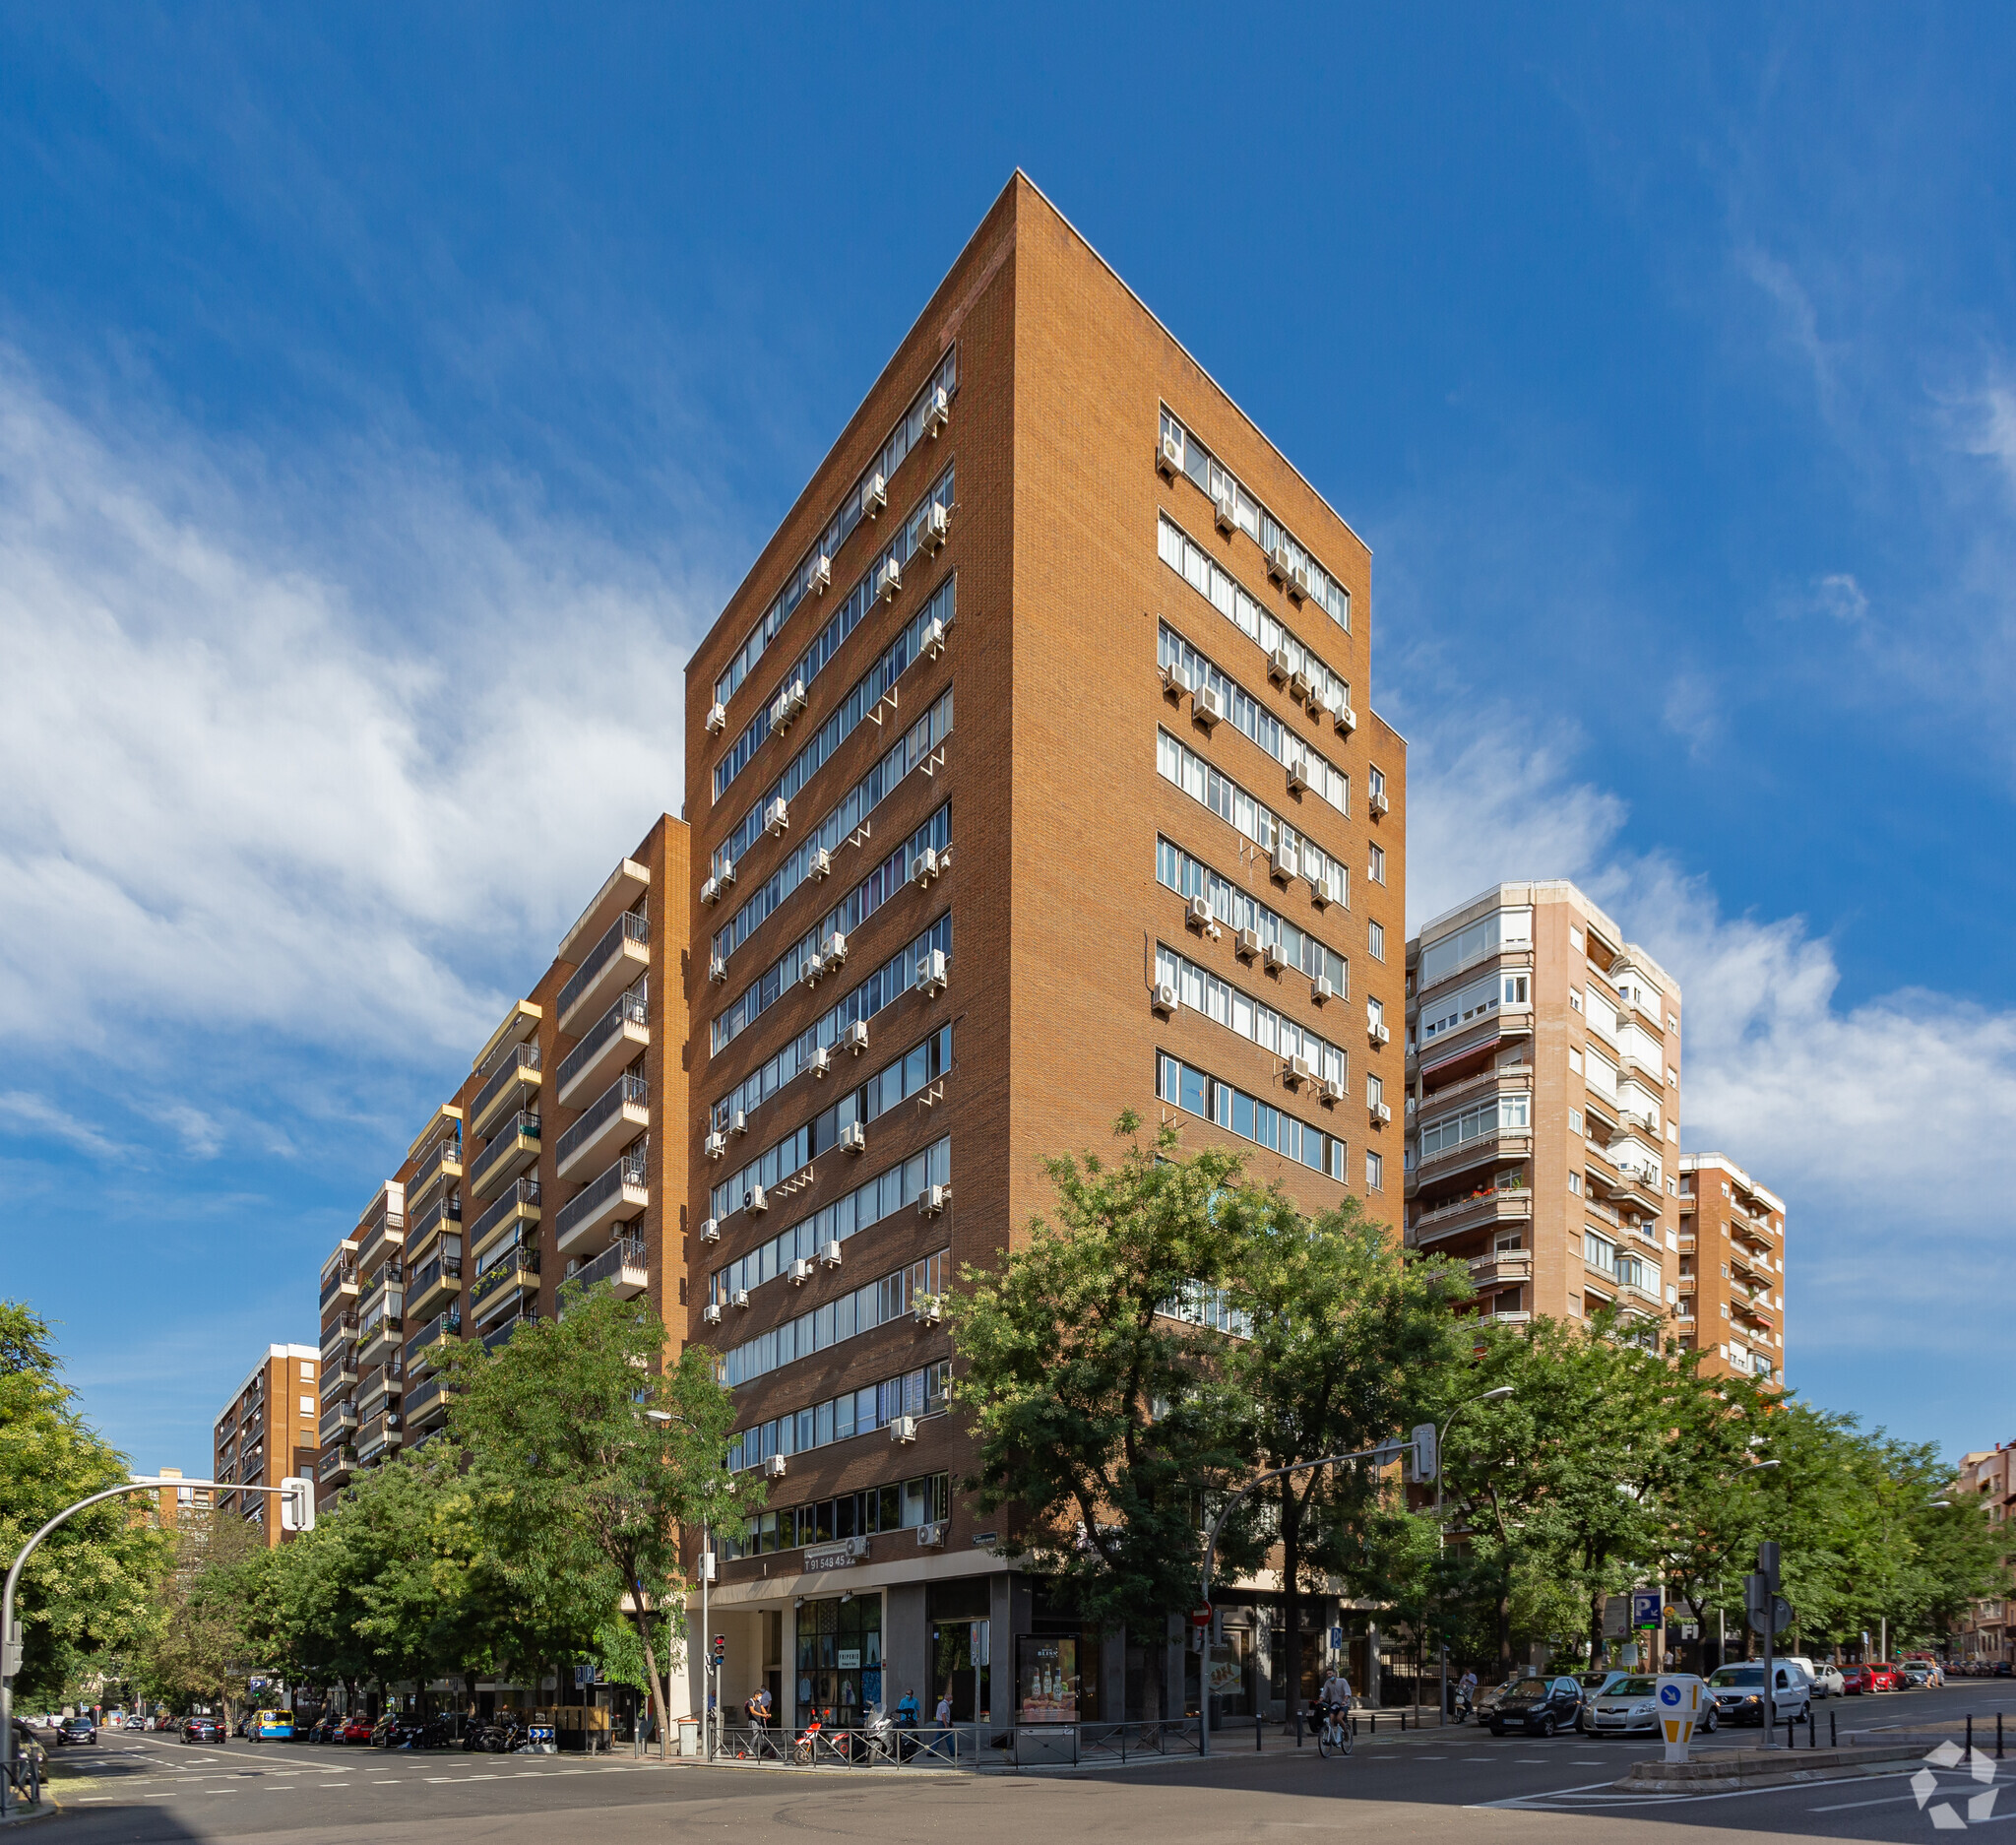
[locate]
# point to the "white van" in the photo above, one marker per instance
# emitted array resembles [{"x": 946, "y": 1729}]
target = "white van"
[
  {"x": 1826, "y": 1679},
  {"x": 1738, "y": 1692}
]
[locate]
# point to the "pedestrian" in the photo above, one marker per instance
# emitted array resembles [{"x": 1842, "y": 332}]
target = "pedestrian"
[
  {"x": 763, "y": 1706},
  {"x": 944, "y": 1711},
  {"x": 906, "y": 1710}
]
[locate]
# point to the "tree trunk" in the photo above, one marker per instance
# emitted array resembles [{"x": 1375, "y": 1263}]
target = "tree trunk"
[
  {"x": 658, "y": 1697},
  {"x": 1596, "y": 1601},
  {"x": 1291, "y": 1596},
  {"x": 1503, "y": 1613}
]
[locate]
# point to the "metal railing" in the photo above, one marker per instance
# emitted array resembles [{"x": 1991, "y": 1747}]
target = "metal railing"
[
  {"x": 629, "y": 926},
  {"x": 508, "y": 1269},
  {"x": 444, "y": 1325},
  {"x": 444, "y": 1212},
  {"x": 333, "y": 1282},
  {"x": 629, "y": 1009},
  {"x": 627, "y": 1170},
  {"x": 447, "y": 1151},
  {"x": 525, "y": 1192},
  {"x": 628, "y": 1090},
  {"x": 504, "y": 1139},
  {"x": 523, "y": 1057},
  {"x": 498, "y": 1335},
  {"x": 625, "y": 1253}
]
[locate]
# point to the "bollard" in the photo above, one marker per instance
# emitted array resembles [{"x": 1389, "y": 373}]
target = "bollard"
[
  {"x": 1299, "y": 1729},
  {"x": 1970, "y": 1733},
  {"x": 1998, "y": 1736},
  {"x": 1256, "y": 1734},
  {"x": 1833, "y": 1740}
]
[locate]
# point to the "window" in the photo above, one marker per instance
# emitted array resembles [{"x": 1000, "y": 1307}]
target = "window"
[
  {"x": 1375, "y": 1172},
  {"x": 307, "y": 1406},
  {"x": 1467, "y": 1004},
  {"x": 1175, "y": 654},
  {"x": 1575, "y": 939},
  {"x": 1574, "y": 1121},
  {"x": 1375, "y": 1014},
  {"x": 1673, "y": 1133},
  {"x": 1451, "y": 954},
  {"x": 1375, "y": 941},
  {"x": 1575, "y": 1061},
  {"x": 1575, "y": 1183},
  {"x": 852, "y": 1313},
  {"x": 1253, "y": 1019},
  {"x": 925, "y": 1391},
  {"x": 1375, "y": 780},
  {"x": 1575, "y": 997},
  {"x": 1175, "y": 762},
  {"x": 1375, "y": 1092},
  {"x": 307, "y": 1373},
  {"x": 1673, "y": 1023},
  {"x": 1672, "y": 1076},
  {"x": 1376, "y": 871},
  {"x": 1237, "y": 909},
  {"x": 1197, "y": 1093},
  {"x": 1495, "y": 1115}
]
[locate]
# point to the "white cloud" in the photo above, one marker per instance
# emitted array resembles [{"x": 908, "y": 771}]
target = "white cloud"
[
  {"x": 25, "y": 1113},
  {"x": 262, "y": 775}
]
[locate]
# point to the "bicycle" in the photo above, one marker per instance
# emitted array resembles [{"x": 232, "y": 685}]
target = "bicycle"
[{"x": 1332, "y": 1729}]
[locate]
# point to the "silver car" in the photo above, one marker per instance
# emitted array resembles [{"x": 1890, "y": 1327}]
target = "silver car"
[{"x": 1629, "y": 1705}]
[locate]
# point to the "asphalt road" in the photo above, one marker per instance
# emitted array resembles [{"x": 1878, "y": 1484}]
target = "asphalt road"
[{"x": 1454, "y": 1785}]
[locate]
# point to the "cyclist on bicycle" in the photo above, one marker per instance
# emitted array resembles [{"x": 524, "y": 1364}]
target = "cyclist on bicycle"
[{"x": 1336, "y": 1692}]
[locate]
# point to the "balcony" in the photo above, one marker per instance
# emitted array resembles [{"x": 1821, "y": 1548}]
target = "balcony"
[
  {"x": 378, "y": 1438},
  {"x": 338, "y": 1422},
  {"x": 386, "y": 1239},
  {"x": 514, "y": 1083},
  {"x": 1514, "y": 1080},
  {"x": 387, "y": 1288},
  {"x": 1499, "y": 1266},
  {"x": 426, "y": 1406},
  {"x": 513, "y": 1147},
  {"x": 611, "y": 1041},
  {"x": 1485, "y": 1207},
  {"x": 1503, "y": 1143},
  {"x": 500, "y": 1334},
  {"x": 443, "y": 1215},
  {"x": 379, "y": 1340},
  {"x": 621, "y": 1265},
  {"x": 618, "y": 1196},
  {"x": 437, "y": 1283},
  {"x": 339, "y": 1283},
  {"x": 517, "y": 1207},
  {"x": 338, "y": 1467},
  {"x": 442, "y": 1161},
  {"x": 517, "y": 1272},
  {"x": 611, "y": 1121},
  {"x": 439, "y": 1330},
  {"x": 383, "y": 1383},
  {"x": 611, "y": 965},
  {"x": 337, "y": 1334}
]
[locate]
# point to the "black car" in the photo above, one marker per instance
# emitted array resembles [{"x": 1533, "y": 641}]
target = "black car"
[
  {"x": 76, "y": 1730},
  {"x": 1538, "y": 1707},
  {"x": 204, "y": 1730}
]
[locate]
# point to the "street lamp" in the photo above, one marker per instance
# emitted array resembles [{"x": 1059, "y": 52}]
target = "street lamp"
[{"x": 1489, "y": 1396}]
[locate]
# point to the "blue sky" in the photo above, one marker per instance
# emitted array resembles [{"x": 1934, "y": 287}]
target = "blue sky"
[{"x": 390, "y": 397}]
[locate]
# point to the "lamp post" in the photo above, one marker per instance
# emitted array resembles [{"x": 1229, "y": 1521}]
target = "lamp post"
[{"x": 1489, "y": 1396}]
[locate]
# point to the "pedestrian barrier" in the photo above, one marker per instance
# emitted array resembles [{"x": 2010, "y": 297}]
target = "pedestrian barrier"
[{"x": 1117, "y": 1742}]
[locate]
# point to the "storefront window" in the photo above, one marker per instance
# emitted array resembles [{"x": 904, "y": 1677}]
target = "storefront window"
[
  {"x": 1046, "y": 1678},
  {"x": 840, "y": 1659}
]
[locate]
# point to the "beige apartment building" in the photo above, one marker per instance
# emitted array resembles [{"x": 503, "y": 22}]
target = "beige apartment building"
[
  {"x": 1732, "y": 1277},
  {"x": 1033, "y": 776},
  {"x": 1543, "y": 1107},
  {"x": 266, "y": 1433},
  {"x": 1988, "y": 1635}
]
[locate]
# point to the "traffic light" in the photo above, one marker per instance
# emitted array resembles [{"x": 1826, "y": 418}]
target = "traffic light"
[
  {"x": 720, "y": 1648},
  {"x": 1767, "y": 1564},
  {"x": 1426, "y": 1459},
  {"x": 296, "y": 1503}
]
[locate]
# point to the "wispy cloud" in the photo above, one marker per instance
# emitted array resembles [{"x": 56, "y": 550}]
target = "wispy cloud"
[{"x": 24, "y": 1113}]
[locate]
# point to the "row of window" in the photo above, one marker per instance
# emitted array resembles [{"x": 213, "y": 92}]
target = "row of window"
[
  {"x": 912, "y": 1073},
  {"x": 924, "y": 1501},
  {"x": 1176, "y": 762},
  {"x": 1186, "y": 1087},
  {"x": 825, "y": 646},
  {"x": 1211, "y": 1307},
  {"x": 1254, "y": 520},
  {"x": 1238, "y": 909},
  {"x": 1631, "y": 1271},
  {"x": 925, "y": 1391},
  {"x": 1495, "y": 1115},
  {"x": 1502, "y": 928},
  {"x": 907, "y": 434},
  {"x": 1247, "y": 714},
  {"x": 862, "y": 697},
  {"x": 1225, "y": 594},
  {"x": 859, "y": 1310},
  {"x": 861, "y": 800},
  {"x": 1480, "y": 1000},
  {"x": 1203, "y": 992}
]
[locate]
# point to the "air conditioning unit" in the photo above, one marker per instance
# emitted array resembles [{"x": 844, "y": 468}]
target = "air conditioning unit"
[
  {"x": 1176, "y": 680},
  {"x": 1168, "y": 458},
  {"x": 717, "y": 969},
  {"x": 1346, "y": 720},
  {"x": 1298, "y": 684},
  {"x": 931, "y": 1537},
  {"x": 829, "y": 1253},
  {"x": 820, "y": 864},
  {"x": 822, "y": 1060},
  {"x": 932, "y": 1199},
  {"x": 1297, "y": 1072},
  {"x": 776, "y": 816},
  {"x": 1278, "y": 564},
  {"x": 814, "y": 967},
  {"x": 1383, "y": 1113},
  {"x": 710, "y": 890},
  {"x": 728, "y": 872},
  {"x": 887, "y": 580},
  {"x": 711, "y": 1314},
  {"x": 931, "y": 974},
  {"x": 802, "y": 1271},
  {"x": 1298, "y": 584},
  {"x": 819, "y": 575},
  {"x": 716, "y": 717},
  {"x": 1277, "y": 958},
  {"x": 1298, "y": 777},
  {"x": 853, "y": 1137},
  {"x": 1317, "y": 712},
  {"x": 1198, "y": 914},
  {"x": 775, "y": 1467},
  {"x": 933, "y": 525},
  {"x": 1380, "y": 804},
  {"x": 931, "y": 643},
  {"x": 1207, "y": 706},
  {"x": 740, "y": 1297},
  {"x": 929, "y": 1309},
  {"x": 1333, "y": 1088},
  {"x": 1319, "y": 893},
  {"x": 903, "y": 1429},
  {"x": 856, "y": 1037},
  {"x": 874, "y": 495},
  {"x": 787, "y": 705},
  {"x": 717, "y": 1145},
  {"x": 710, "y": 1230},
  {"x": 926, "y": 867},
  {"x": 1225, "y": 511},
  {"x": 756, "y": 1199},
  {"x": 1249, "y": 945},
  {"x": 1381, "y": 1035},
  {"x": 1165, "y": 1001},
  {"x": 1321, "y": 991},
  {"x": 834, "y": 948},
  {"x": 739, "y": 1122},
  {"x": 1280, "y": 666},
  {"x": 937, "y": 409},
  {"x": 1285, "y": 861}
]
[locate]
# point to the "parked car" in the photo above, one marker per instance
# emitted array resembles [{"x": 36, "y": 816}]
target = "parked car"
[
  {"x": 1630, "y": 1704},
  {"x": 76, "y": 1730},
  {"x": 326, "y": 1729},
  {"x": 28, "y": 1747},
  {"x": 1738, "y": 1692},
  {"x": 1826, "y": 1678},
  {"x": 356, "y": 1730},
  {"x": 1875, "y": 1676},
  {"x": 1537, "y": 1706},
  {"x": 1488, "y": 1696},
  {"x": 1596, "y": 1683},
  {"x": 204, "y": 1730},
  {"x": 274, "y": 1726},
  {"x": 1915, "y": 1673}
]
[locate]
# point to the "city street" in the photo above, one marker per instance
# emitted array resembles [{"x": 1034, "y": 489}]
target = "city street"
[{"x": 1453, "y": 1785}]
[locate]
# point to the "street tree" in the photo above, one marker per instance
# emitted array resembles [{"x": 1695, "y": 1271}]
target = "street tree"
[{"x": 200, "y": 1642}]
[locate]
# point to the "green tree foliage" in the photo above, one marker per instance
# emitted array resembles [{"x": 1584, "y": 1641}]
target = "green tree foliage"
[
  {"x": 88, "y": 1587},
  {"x": 200, "y": 1646}
]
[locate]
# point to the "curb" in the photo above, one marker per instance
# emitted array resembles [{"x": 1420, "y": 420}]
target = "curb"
[{"x": 1741, "y": 1776}]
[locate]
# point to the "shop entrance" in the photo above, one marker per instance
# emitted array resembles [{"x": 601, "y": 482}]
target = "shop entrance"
[{"x": 839, "y": 1659}]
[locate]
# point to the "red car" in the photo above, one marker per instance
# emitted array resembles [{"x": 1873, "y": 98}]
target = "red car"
[
  {"x": 356, "y": 1730},
  {"x": 1875, "y": 1678}
]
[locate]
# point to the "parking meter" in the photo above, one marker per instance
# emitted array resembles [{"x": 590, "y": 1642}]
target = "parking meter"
[{"x": 1678, "y": 1697}]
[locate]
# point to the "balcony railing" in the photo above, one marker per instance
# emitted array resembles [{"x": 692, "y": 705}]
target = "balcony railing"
[
  {"x": 622, "y": 1266},
  {"x": 337, "y": 1467},
  {"x": 436, "y": 1284},
  {"x": 444, "y": 1214},
  {"x": 339, "y": 1333},
  {"x": 442, "y": 1326},
  {"x": 519, "y": 1269},
  {"x": 514, "y": 1146},
  {"x": 501, "y": 1333},
  {"x": 620, "y": 1033},
  {"x": 339, "y": 1283},
  {"x": 1484, "y": 1207},
  {"x": 509, "y": 1084},
  {"x": 374, "y": 1341},
  {"x": 623, "y": 953},
  {"x": 386, "y": 1237},
  {"x": 624, "y": 1105},
  {"x": 336, "y": 1421},
  {"x": 425, "y": 1402},
  {"x": 519, "y": 1204},
  {"x": 377, "y": 1436},
  {"x": 619, "y": 1193},
  {"x": 1507, "y": 1143},
  {"x": 444, "y": 1157}
]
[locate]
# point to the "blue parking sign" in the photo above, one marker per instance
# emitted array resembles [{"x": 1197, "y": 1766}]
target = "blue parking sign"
[{"x": 1644, "y": 1608}]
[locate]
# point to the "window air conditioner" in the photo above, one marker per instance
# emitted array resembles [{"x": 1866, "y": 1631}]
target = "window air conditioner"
[
  {"x": 1198, "y": 914},
  {"x": 1278, "y": 565},
  {"x": 927, "y": 1310},
  {"x": 728, "y": 872},
  {"x": 815, "y": 966},
  {"x": 931, "y": 1537},
  {"x": 856, "y": 1037},
  {"x": 819, "y": 575},
  {"x": 717, "y": 969},
  {"x": 717, "y": 1145},
  {"x": 1380, "y": 803},
  {"x": 755, "y": 1199},
  {"x": 1298, "y": 684},
  {"x": 776, "y": 816},
  {"x": 1381, "y": 1035},
  {"x": 932, "y": 526},
  {"x": 926, "y": 867},
  {"x": 1165, "y": 1001},
  {"x": 793, "y": 699},
  {"x": 1333, "y": 1088},
  {"x": 710, "y": 1230},
  {"x": 1298, "y": 775},
  {"x": 1168, "y": 458},
  {"x": 1320, "y": 989},
  {"x": 740, "y": 1298},
  {"x": 711, "y": 1314},
  {"x": 802, "y": 1271},
  {"x": 932, "y": 1201},
  {"x": 710, "y": 890},
  {"x": 834, "y": 948},
  {"x": 1249, "y": 945},
  {"x": 887, "y": 580},
  {"x": 1284, "y": 861},
  {"x": 1225, "y": 511},
  {"x": 853, "y": 1137},
  {"x": 1297, "y": 1071},
  {"x": 1346, "y": 720},
  {"x": 829, "y": 1253},
  {"x": 1298, "y": 584},
  {"x": 903, "y": 1429},
  {"x": 1280, "y": 666},
  {"x": 822, "y": 1060},
  {"x": 775, "y": 1467},
  {"x": 1382, "y": 1112},
  {"x": 874, "y": 495},
  {"x": 937, "y": 409},
  {"x": 1277, "y": 957},
  {"x": 931, "y": 643},
  {"x": 716, "y": 717},
  {"x": 931, "y": 974},
  {"x": 1207, "y": 706},
  {"x": 820, "y": 864},
  {"x": 1319, "y": 893}
]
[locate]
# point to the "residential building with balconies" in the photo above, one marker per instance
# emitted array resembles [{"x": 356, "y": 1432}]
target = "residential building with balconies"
[
  {"x": 268, "y": 1432},
  {"x": 1731, "y": 1274},
  {"x": 1987, "y": 1635},
  {"x": 1543, "y": 1107}
]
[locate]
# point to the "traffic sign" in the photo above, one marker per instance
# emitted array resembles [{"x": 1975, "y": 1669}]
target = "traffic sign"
[
  {"x": 1201, "y": 1616},
  {"x": 1645, "y": 1604}
]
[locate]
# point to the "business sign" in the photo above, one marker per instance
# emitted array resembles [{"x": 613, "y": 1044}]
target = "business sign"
[
  {"x": 849, "y": 1659},
  {"x": 839, "y": 1556},
  {"x": 1644, "y": 1608},
  {"x": 1223, "y": 1672}
]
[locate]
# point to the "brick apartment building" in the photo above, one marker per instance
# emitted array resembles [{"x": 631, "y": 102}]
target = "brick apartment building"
[
  {"x": 1989, "y": 1633},
  {"x": 1731, "y": 1268},
  {"x": 1033, "y": 776},
  {"x": 266, "y": 1433},
  {"x": 1543, "y": 1107}
]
